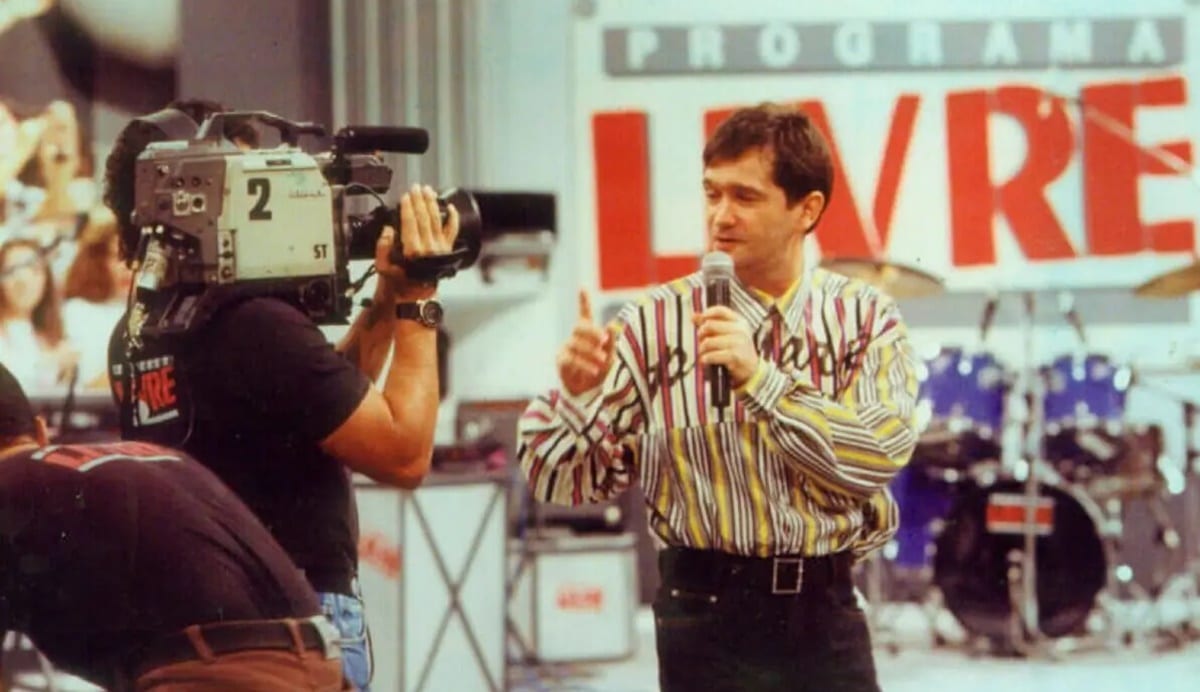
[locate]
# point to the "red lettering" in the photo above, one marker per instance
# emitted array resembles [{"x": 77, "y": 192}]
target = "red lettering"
[
  {"x": 580, "y": 598},
  {"x": 626, "y": 255},
  {"x": 847, "y": 235},
  {"x": 168, "y": 385},
  {"x": 374, "y": 550},
  {"x": 71, "y": 457},
  {"x": 974, "y": 200},
  {"x": 1112, "y": 164},
  {"x": 136, "y": 449},
  {"x": 76, "y": 456},
  {"x": 151, "y": 390},
  {"x": 895, "y": 154},
  {"x": 391, "y": 563},
  {"x": 621, "y": 151}
]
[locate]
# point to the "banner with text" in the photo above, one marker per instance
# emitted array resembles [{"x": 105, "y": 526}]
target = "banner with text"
[{"x": 1039, "y": 145}]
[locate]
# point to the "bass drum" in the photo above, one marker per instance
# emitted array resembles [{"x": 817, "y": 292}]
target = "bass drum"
[{"x": 985, "y": 527}]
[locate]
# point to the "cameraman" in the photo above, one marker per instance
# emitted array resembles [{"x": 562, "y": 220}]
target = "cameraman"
[{"x": 258, "y": 394}]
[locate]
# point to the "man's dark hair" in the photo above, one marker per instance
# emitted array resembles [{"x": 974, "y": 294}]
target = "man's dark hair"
[
  {"x": 121, "y": 167},
  {"x": 16, "y": 414},
  {"x": 801, "y": 160}
]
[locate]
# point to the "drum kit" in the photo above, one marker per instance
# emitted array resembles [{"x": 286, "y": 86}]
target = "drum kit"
[{"x": 1012, "y": 507}]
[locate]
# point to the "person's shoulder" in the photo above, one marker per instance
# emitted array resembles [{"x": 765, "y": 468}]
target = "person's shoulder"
[
  {"x": 17, "y": 463},
  {"x": 261, "y": 313},
  {"x": 828, "y": 284},
  {"x": 671, "y": 295},
  {"x": 75, "y": 308}
]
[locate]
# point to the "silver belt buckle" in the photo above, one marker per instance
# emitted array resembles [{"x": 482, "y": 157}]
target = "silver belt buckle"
[
  {"x": 776, "y": 587},
  {"x": 330, "y": 637}
]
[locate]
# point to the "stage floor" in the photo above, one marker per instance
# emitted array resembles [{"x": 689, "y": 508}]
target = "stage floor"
[
  {"x": 915, "y": 665},
  {"x": 906, "y": 659}
]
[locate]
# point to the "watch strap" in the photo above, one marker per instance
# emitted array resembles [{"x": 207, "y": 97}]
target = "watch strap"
[{"x": 409, "y": 310}]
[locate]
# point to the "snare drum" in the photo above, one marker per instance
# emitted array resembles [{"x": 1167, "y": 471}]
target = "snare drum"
[
  {"x": 962, "y": 395},
  {"x": 986, "y": 527}
]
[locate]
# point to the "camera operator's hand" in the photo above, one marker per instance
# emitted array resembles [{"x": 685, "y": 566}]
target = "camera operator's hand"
[{"x": 421, "y": 235}]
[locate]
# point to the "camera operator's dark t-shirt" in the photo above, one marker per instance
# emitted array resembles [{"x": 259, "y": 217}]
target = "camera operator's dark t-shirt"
[
  {"x": 250, "y": 394},
  {"x": 106, "y": 547}
]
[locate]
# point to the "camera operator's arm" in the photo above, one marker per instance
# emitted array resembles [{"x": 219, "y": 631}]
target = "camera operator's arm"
[
  {"x": 389, "y": 437},
  {"x": 369, "y": 339}
]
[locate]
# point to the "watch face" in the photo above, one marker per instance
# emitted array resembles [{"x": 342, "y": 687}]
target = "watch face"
[{"x": 431, "y": 312}]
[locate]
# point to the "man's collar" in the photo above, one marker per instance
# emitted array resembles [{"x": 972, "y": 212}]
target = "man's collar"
[{"x": 756, "y": 305}]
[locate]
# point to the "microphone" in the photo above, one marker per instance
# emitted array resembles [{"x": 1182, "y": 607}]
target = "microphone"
[
  {"x": 153, "y": 271},
  {"x": 989, "y": 315},
  {"x": 717, "y": 271},
  {"x": 1066, "y": 305},
  {"x": 362, "y": 139}
]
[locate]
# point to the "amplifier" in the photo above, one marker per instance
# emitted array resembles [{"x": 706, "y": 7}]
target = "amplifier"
[{"x": 562, "y": 585}]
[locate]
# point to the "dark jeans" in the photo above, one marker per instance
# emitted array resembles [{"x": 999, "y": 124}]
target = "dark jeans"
[{"x": 716, "y": 634}]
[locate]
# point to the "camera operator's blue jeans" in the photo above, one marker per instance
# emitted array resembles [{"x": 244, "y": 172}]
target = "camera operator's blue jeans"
[{"x": 347, "y": 613}]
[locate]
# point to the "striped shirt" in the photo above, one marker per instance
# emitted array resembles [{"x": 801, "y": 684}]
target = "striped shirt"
[{"x": 800, "y": 461}]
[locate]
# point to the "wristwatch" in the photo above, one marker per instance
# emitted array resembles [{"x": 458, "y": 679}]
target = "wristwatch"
[{"x": 427, "y": 312}]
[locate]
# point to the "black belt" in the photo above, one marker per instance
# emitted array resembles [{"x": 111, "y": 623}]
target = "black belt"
[
  {"x": 779, "y": 575},
  {"x": 316, "y": 634}
]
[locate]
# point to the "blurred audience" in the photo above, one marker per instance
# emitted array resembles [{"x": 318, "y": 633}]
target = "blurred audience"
[
  {"x": 95, "y": 293},
  {"x": 61, "y": 287},
  {"x": 45, "y": 187},
  {"x": 32, "y": 339},
  {"x": 19, "y": 203}
]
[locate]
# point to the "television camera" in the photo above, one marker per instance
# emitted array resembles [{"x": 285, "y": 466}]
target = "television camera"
[{"x": 221, "y": 220}]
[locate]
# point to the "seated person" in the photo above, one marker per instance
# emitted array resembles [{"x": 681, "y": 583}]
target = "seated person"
[
  {"x": 44, "y": 186},
  {"x": 19, "y": 203},
  {"x": 95, "y": 294},
  {"x": 131, "y": 566},
  {"x": 32, "y": 345}
]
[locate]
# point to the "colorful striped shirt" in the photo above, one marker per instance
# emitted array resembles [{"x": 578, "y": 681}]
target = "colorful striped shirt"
[{"x": 798, "y": 463}]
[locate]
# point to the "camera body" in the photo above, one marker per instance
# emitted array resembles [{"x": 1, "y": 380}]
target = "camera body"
[
  {"x": 221, "y": 221},
  {"x": 260, "y": 218}
]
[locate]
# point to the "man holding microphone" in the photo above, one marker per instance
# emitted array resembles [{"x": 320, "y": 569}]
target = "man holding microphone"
[{"x": 766, "y": 486}]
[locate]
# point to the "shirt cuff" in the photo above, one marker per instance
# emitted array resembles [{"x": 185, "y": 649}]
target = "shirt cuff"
[
  {"x": 762, "y": 392},
  {"x": 579, "y": 410}
]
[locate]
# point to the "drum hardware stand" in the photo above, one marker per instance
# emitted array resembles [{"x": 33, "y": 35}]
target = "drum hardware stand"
[
  {"x": 883, "y": 628},
  {"x": 1122, "y": 597},
  {"x": 1190, "y": 576},
  {"x": 1025, "y": 633},
  {"x": 1185, "y": 582},
  {"x": 886, "y": 608},
  {"x": 1171, "y": 635}
]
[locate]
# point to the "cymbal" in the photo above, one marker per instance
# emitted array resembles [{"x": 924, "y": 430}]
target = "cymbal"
[
  {"x": 1174, "y": 283},
  {"x": 896, "y": 280}
]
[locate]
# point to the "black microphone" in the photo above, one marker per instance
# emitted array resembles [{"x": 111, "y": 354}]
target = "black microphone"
[
  {"x": 989, "y": 315},
  {"x": 717, "y": 271},
  {"x": 362, "y": 139}
]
